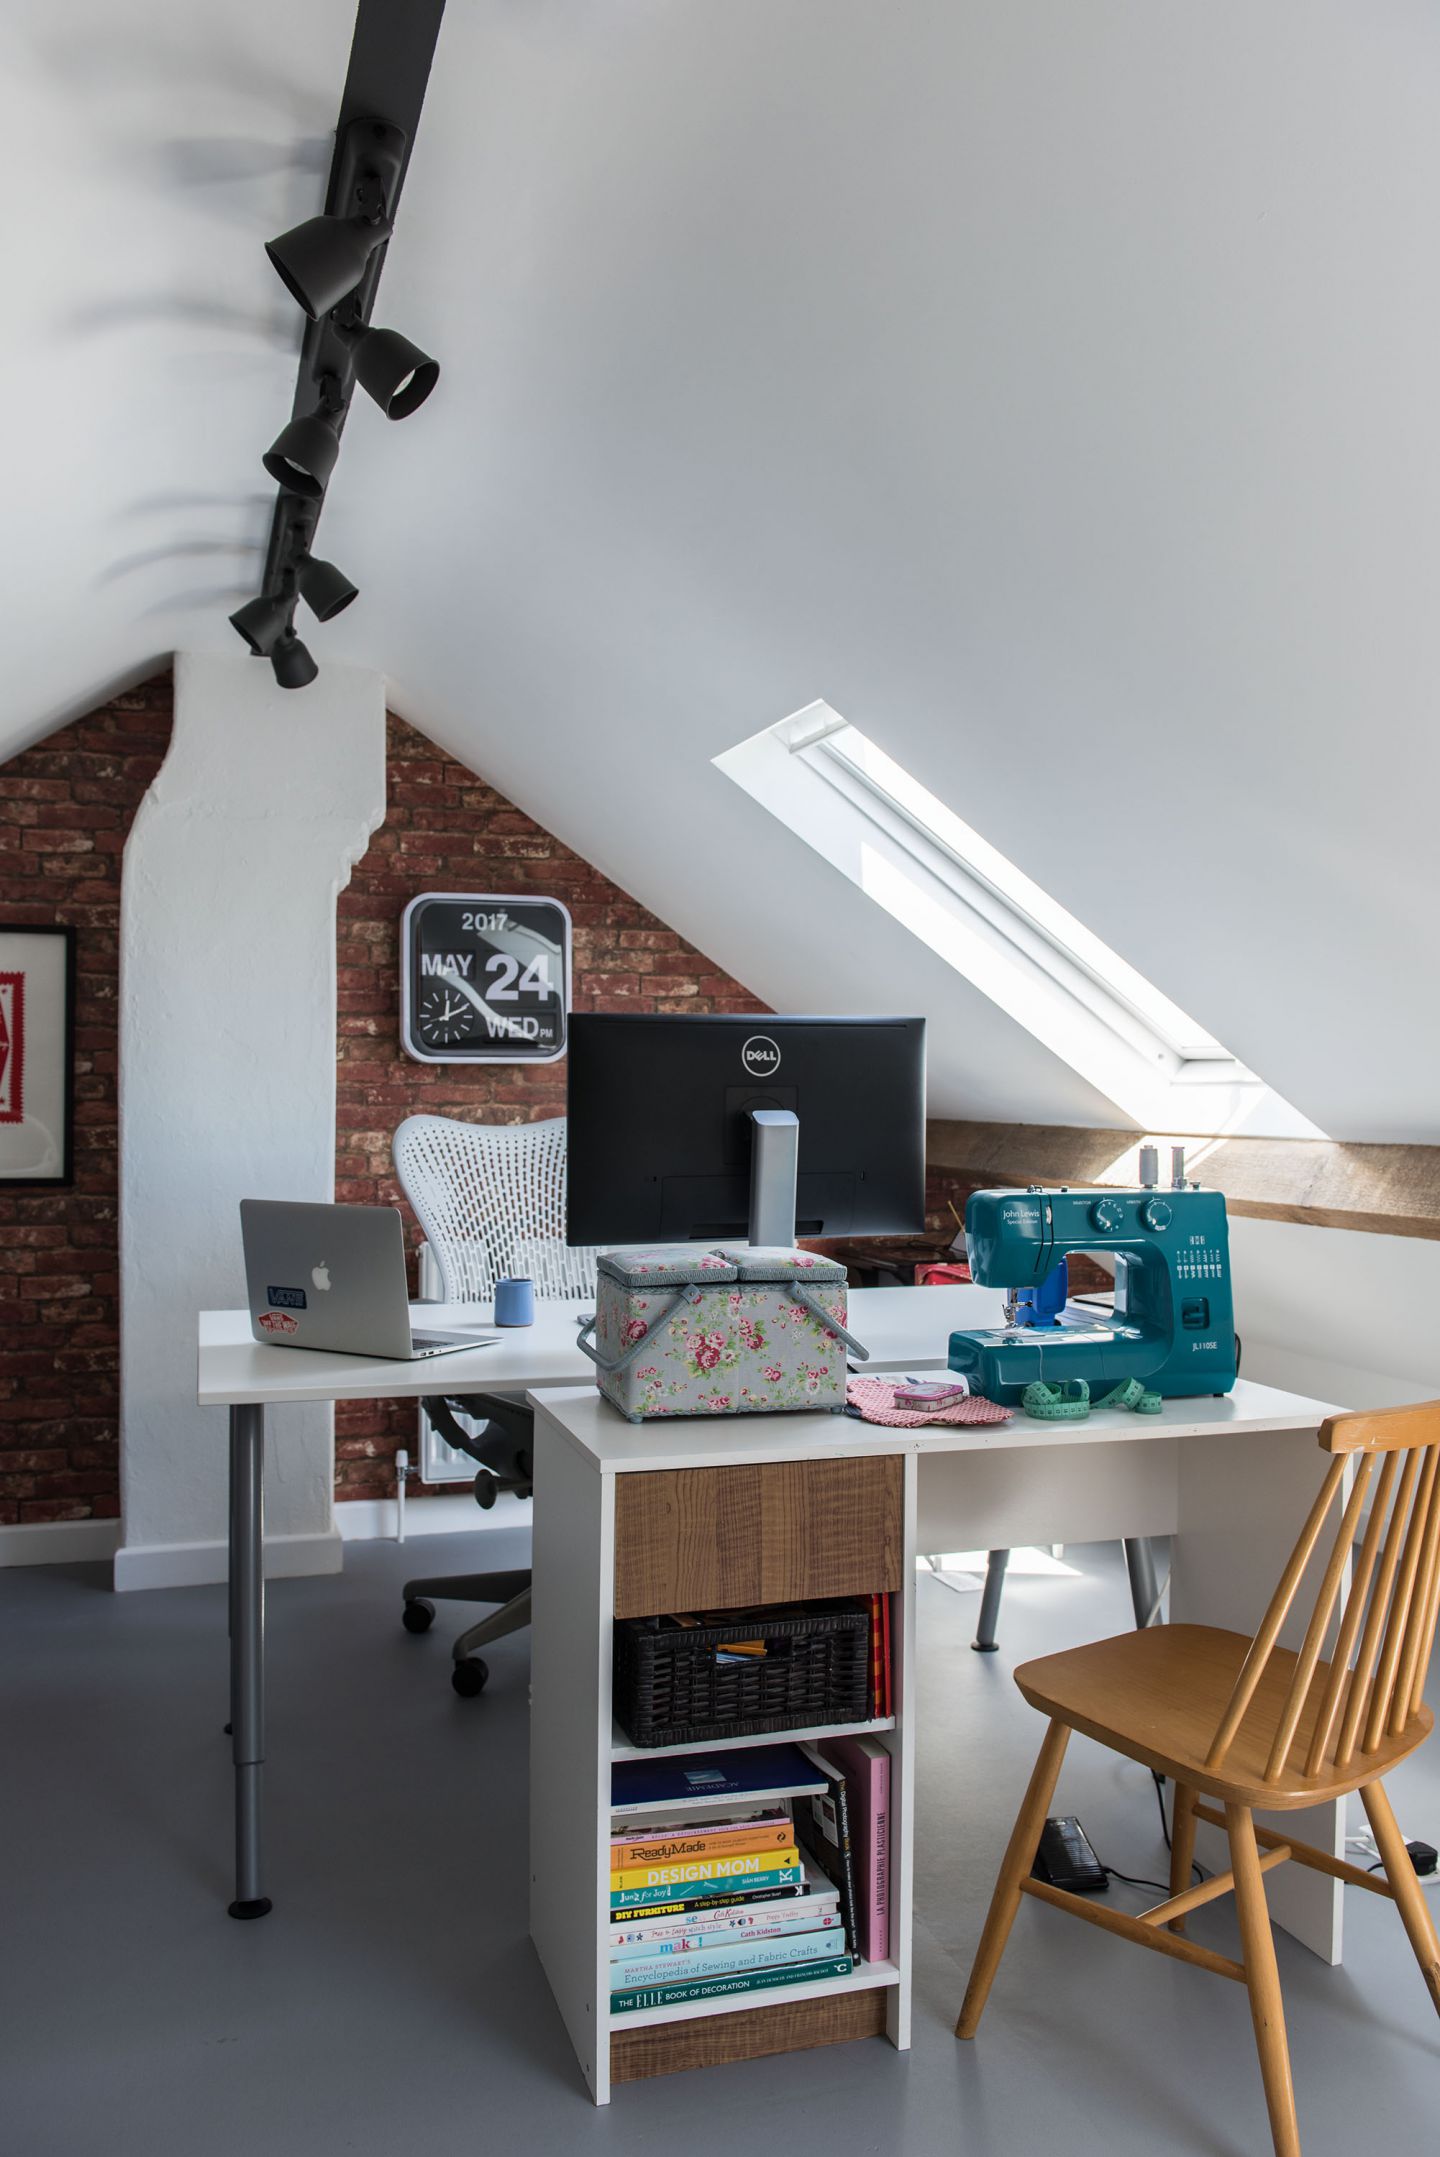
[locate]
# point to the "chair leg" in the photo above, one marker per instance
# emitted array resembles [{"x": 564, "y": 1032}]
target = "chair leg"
[
  {"x": 1408, "y": 1893},
  {"x": 1182, "y": 1845},
  {"x": 1262, "y": 1979},
  {"x": 1018, "y": 1859}
]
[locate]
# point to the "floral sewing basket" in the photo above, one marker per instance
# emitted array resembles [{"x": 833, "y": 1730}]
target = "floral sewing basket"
[{"x": 734, "y": 1331}]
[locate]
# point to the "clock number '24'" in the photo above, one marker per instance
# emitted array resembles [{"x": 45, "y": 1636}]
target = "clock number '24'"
[{"x": 534, "y": 981}]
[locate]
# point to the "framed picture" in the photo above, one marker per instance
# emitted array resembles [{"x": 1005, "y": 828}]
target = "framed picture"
[
  {"x": 37, "y": 1055},
  {"x": 484, "y": 979}
]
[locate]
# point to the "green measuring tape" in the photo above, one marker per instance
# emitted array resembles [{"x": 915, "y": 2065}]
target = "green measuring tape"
[{"x": 1070, "y": 1402}]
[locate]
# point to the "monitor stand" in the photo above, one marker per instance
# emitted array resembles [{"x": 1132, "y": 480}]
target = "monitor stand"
[{"x": 774, "y": 1158}]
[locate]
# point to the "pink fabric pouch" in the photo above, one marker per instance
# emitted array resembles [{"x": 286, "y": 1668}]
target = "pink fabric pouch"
[{"x": 875, "y": 1399}]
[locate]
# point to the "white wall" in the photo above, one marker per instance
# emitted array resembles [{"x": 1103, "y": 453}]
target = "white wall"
[
  {"x": 1343, "y": 1316},
  {"x": 227, "y": 1075}
]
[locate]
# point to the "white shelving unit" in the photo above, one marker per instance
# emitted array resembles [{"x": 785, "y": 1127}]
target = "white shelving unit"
[{"x": 575, "y": 1741}]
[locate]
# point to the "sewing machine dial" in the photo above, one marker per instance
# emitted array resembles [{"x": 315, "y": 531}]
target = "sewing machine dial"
[
  {"x": 1156, "y": 1213},
  {"x": 1107, "y": 1214}
]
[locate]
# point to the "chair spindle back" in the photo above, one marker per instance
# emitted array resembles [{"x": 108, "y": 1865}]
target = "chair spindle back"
[{"x": 1371, "y": 1688}]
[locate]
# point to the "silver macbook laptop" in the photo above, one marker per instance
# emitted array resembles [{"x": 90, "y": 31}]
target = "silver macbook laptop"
[{"x": 334, "y": 1277}]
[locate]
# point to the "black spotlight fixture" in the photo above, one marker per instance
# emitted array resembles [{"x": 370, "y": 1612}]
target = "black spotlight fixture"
[
  {"x": 294, "y": 668},
  {"x": 303, "y": 454},
  {"x": 262, "y": 622},
  {"x": 326, "y": 590},
  {"x": 331, "y": 267},
  {"x": 397, "y": 374},
  {"x": 322, "y": 261}
]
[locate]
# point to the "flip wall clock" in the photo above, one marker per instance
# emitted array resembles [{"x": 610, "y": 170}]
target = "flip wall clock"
[
  {"x": 37, "y": 1055},
  {"x": 484, "y": 980}
]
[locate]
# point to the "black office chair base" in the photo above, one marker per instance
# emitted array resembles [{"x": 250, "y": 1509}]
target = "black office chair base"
[{"x": 260, "y": 1907}]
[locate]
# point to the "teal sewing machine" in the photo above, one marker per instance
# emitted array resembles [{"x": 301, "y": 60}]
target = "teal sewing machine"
[{"x": 1173, "y": 1325}]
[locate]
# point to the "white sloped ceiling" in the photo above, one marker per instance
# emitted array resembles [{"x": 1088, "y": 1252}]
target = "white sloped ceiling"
[{"x": 1051, "y": 389}]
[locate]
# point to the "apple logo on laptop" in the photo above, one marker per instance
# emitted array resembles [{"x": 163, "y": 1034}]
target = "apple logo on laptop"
[{"x": 320, "y": 1275}]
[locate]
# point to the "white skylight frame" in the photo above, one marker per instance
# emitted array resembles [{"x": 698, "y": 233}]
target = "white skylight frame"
[{"x": 945, "y": 883}]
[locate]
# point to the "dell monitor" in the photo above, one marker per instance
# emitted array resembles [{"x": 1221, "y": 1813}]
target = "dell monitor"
[{"x": 761, "y": 1129}]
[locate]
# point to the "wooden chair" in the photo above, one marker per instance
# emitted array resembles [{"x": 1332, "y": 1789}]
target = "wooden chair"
[{"x": 1247, "y": 1724}]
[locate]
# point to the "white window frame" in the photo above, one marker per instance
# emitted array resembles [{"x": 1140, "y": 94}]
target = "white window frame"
[{"x": 944, "y": 882}]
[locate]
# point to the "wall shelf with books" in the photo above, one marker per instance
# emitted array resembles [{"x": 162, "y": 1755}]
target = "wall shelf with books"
[{"x": 622, "y": 1749}]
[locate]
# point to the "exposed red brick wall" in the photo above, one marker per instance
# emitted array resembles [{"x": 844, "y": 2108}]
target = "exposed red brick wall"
[
  {"x": 65, "y": 808},
  {"x": 446, "y": 830}
]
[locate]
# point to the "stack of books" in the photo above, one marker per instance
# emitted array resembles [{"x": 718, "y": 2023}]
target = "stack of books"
[{"x": 717, "y": 1898}]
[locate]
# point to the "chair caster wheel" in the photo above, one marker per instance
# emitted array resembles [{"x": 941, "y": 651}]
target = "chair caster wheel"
[
  {"x": 469, "y": 1677},
  {"x": 418, "y": 1616}
]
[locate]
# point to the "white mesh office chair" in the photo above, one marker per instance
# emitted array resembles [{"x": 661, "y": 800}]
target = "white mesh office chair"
[{"x": 491, "y": 1200}]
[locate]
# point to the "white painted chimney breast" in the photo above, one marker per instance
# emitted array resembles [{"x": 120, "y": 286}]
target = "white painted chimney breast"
[{"x": 227, "y": 1076}]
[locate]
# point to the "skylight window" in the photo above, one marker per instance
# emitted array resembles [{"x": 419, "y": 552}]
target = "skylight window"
[{"x": 936, "y": 875}]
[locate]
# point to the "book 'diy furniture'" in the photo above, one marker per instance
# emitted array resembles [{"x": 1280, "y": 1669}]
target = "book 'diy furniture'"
[{"x": 1246, "y": 1723}]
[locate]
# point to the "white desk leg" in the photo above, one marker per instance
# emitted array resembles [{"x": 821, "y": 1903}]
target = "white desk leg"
[
  {"x": 570, "y": 1732},
  {"x": 1242, "y": 1502},
  {"x": 247, "y": 1651},
  {"x": 904, "y": 1670}
]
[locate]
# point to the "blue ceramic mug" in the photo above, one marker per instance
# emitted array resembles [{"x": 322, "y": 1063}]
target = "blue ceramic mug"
[{"x": 515, "y": 1302}]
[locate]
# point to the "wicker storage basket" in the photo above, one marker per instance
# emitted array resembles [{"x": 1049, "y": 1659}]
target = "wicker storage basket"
[{"x": 671, "y": 1688}]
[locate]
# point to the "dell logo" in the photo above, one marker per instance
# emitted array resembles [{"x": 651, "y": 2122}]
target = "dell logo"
[{"x": 760, "y": 1056}]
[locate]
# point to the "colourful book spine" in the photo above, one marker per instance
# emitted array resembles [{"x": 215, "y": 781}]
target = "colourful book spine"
[
  {"x": 865, "y": 1765},
  {"x": 823, "y": 1827},
  {"x": 625, "y": 1948},
  {"x": 877, "y": 1657},
  {"x": 700, "y": 1962},
  {"x": 717, "y": 1840},
  {"x": 795, "y": 1913},
  {"x": 734, "y": 1900},
  {"x": 742, "y": 1865},
  {"x": 715, "y": 1988},
  {"x": 778, "y": 1876}
]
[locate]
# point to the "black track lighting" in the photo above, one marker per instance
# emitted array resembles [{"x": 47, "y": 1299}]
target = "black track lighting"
[
  {"x": 322, "y": 261},
  {"x": 330, "y": 265},
  {"x": 303, "y": 454},
  {"x": 262, "y": 622},
  {"x": 326, "y": 590},
  {"x": 294, "y": 668},
  {"x": 397, "y": 374}
]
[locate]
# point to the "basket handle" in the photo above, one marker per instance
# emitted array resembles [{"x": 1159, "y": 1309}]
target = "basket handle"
[
  {"x": 809, "y": 1301},
  {"x": 611, "y": 1364}
]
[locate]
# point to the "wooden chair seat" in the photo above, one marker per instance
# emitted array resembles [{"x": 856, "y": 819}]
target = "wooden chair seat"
[{"x": 1158, "y": 1697}]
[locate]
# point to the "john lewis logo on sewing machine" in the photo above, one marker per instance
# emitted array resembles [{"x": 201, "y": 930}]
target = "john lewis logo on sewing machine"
[{"x": 1020, "y": 1210}]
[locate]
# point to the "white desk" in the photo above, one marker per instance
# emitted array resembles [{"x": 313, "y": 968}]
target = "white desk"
[
  {"x": 1231, "y": 1479},
  {"x": 905, "y": 1329}
]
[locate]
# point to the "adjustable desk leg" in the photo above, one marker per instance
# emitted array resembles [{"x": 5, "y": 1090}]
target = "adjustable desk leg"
[
  {"x": 1144, "y": 1588},
  {"x": 247, "y": 1651},
  {"x": 985, "y": 1642}
]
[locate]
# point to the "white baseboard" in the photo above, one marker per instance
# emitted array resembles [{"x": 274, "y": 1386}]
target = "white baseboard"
[
  {"x": 196, "y": 1565},
  {"x": 58, "y": 1542},
  {"x": 368, "y": 1519}
]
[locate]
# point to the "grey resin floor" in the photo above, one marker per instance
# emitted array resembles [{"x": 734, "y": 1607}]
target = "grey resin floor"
[{"x": 392, "y": 2003}]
